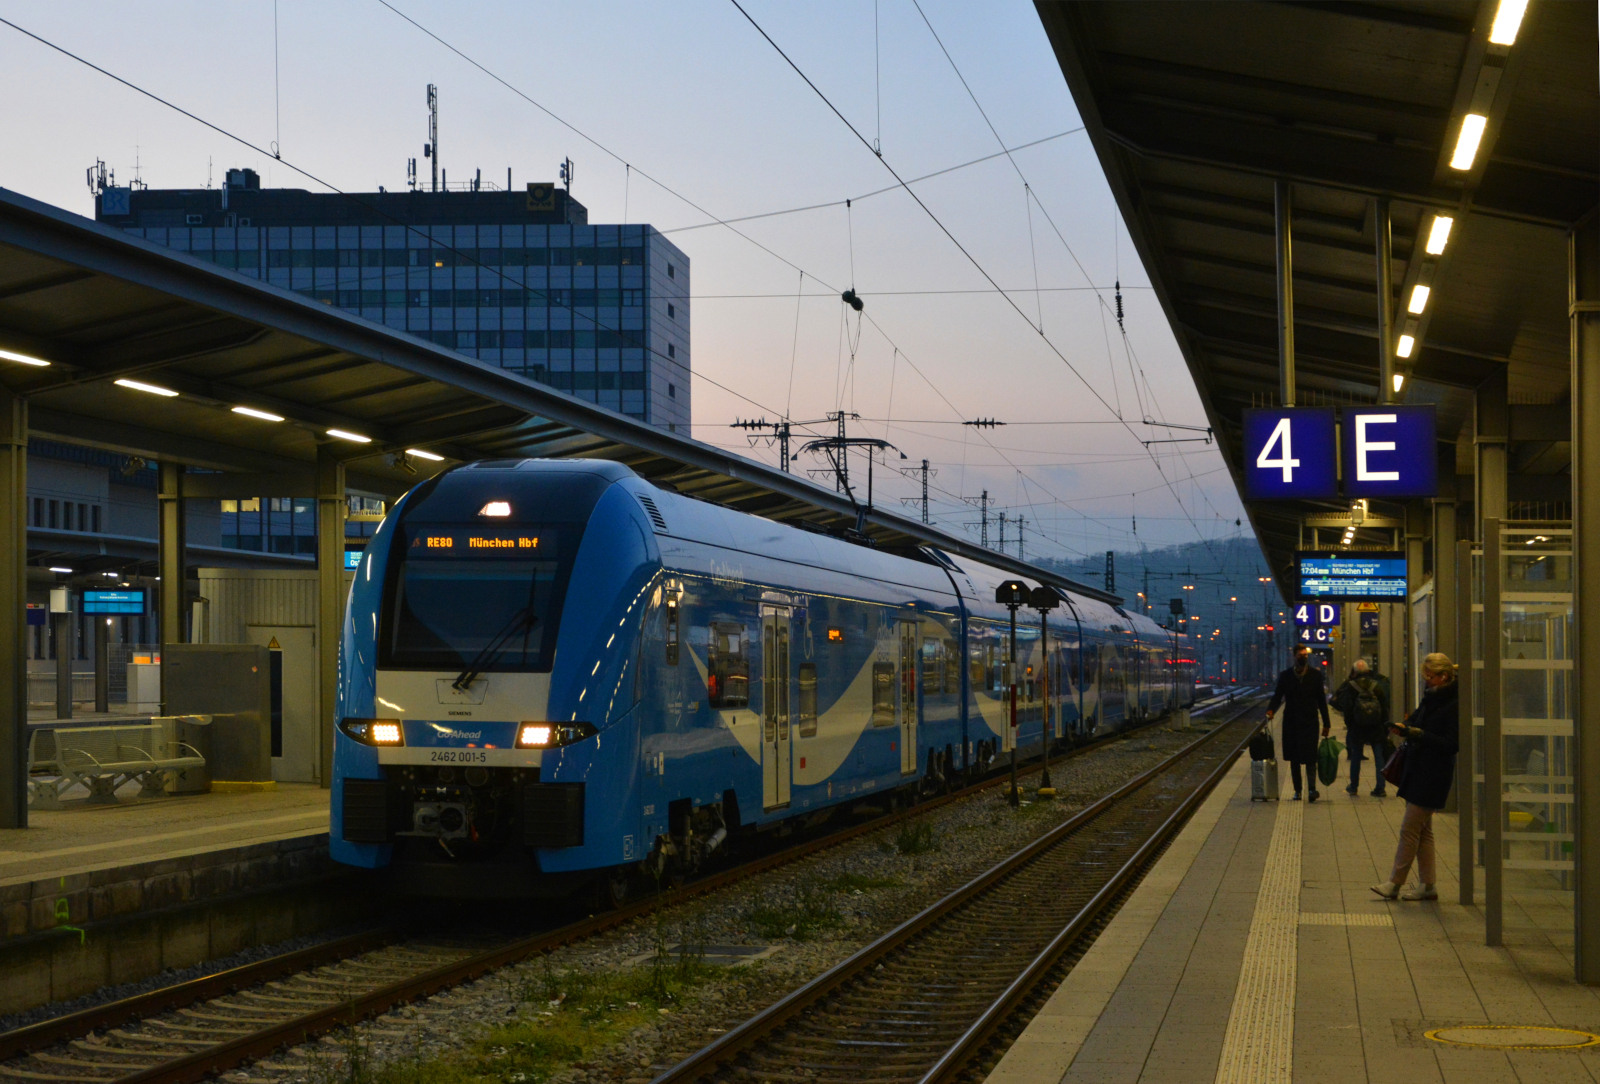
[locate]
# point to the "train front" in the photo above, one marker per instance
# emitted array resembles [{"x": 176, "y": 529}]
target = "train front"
[{"x": 487, "y": 676}]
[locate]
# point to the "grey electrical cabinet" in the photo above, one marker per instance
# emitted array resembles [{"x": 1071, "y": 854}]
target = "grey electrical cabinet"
[{"x": 232, "y": 683}]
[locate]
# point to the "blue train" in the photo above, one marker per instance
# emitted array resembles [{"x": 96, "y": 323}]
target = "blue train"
[{"x": 556, "y": 673}]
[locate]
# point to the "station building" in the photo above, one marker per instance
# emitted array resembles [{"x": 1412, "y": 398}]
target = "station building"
[{"x": 516, "y": 279}]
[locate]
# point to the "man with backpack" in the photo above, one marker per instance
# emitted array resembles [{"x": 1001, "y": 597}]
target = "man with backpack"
[{"x": 1363, "y": 700}]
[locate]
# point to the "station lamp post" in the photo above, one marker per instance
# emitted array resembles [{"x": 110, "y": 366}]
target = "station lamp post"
[
  {"x": 1013, "y": 595},
  {"x": 1044, "y": 599}
]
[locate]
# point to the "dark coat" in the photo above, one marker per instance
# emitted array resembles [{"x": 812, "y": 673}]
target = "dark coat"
[
  {"x": 1346, "y": 700},
  {"x": 1430, "y": 766},
  {"x": 1305, "y": 697}
]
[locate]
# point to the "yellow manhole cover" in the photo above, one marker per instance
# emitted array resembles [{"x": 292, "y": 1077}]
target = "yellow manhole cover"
[{"x": 1513, "y": 1037}]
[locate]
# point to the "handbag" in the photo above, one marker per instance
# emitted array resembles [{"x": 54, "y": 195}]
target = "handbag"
[{"x": 1395, "y": 767}]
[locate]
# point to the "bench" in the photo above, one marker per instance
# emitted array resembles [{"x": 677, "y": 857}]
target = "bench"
[{"x": 103, "y": 758}]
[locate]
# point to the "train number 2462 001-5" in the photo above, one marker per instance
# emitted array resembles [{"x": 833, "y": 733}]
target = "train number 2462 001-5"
[{"x": 458, "y": 756}]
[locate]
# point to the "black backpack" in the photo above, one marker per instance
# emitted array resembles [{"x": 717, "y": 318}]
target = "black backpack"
[{"x": 1367, "y": 704}]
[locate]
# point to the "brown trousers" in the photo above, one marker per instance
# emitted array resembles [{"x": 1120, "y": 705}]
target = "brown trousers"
[{"x": 1416, "y": 845}]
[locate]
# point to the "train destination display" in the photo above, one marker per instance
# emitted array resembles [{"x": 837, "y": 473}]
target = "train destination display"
[{"x": 1344, "y": 576}]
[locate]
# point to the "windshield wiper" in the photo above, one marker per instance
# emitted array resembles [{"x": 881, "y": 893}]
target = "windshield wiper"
[{"x": 521, "y": 622}]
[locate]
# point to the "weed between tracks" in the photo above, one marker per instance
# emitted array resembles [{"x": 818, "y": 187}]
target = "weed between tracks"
[
  {"x": 570, "y": 1017},
  {"x": 807, "y": 913}
]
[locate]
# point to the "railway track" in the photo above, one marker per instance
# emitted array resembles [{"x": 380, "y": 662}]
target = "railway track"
[
  {"x": 918, "y": 1003},
  {"x": 197, "y": 1029}
]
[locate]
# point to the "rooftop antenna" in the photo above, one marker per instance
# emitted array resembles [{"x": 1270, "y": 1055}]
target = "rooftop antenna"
[
  {"x": 411, "y": 173},
  {"x": 430, "y": 149},
  {"x": 567, "y": 171}
]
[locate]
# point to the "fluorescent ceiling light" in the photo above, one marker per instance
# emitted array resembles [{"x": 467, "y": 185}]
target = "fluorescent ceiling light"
[
  {"x": 252, "y": 412},
  {"x": 343, "y": 435},
  {"x": 420, "y": 454},
  {"x": 1472, "y": 126},
  {"x": 1403, "y": 348},
  {"x": 1399, "y": 381},
  {"x": 1439, "y": 234},
  {"x": 1419, "y": 298},
  {"x": 60, "y": 569},
  {"x": 151, "y": 388},
  {"x": 1507, "y": 21},
  {"x": 23, "y": 359}
]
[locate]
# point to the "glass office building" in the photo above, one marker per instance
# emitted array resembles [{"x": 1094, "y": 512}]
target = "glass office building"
[{"x": 515, "y": 279}]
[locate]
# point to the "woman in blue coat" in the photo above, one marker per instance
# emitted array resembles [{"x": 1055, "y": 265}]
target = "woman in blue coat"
[{"x": 1433, "y": 736}]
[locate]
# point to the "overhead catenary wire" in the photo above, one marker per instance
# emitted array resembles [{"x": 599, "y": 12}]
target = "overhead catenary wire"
[{"x": 715, "y": 220}]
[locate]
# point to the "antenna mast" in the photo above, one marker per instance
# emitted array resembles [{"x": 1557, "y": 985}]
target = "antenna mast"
[{"x": 431, "y": 149}]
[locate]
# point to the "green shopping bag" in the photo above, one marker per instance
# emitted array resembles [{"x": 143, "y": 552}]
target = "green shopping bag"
[{"x": 1328, "y": 760}]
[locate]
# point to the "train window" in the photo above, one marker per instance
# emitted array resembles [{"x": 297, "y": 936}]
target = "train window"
[
  {"x": 883, "y": 694},
  {"x": 808, "y": 700},
  {"x": 952, "y": 672},
  {"x": 458, "y": 609},
  {"x": 977, "y": 673},
  {"x": 932, "y": 665},
  {"x": 728, "y": 666},
  {"x": 672, "y": 629}
]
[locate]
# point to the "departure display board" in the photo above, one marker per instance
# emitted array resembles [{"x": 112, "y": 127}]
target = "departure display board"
[
  {"x": 1352, "y": 576},
  {"x": 113, "y": 602},
  {"x": 478, "y": 542}
]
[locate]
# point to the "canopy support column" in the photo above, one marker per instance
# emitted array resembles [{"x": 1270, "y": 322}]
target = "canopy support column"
[
  {"x": 13, "y": 610},
  {"x": 1583, "y": 277},
  {"x": 1282, "y": 207},
  {"x": 332, "y": 506},
  {"x": 170, "y": 562},
  {"x": 1385, "y": 254}
]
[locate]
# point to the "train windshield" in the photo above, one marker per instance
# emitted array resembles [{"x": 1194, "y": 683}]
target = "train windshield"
[{"x": 470, "y": 599}]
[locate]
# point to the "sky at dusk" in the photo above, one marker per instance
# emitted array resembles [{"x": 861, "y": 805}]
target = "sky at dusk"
[{"x": 682, "y": 114}]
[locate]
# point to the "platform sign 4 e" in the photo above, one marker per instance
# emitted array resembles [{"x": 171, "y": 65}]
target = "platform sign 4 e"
[
  {"x": 1390, "y": 451},
  {"x": 1290, "y": 453}
]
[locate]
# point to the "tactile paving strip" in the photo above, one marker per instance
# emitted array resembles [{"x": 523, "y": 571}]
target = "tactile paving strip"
[
  {"x": 1339, "y": 918},
  {"x": 1259, "y": 1045}
]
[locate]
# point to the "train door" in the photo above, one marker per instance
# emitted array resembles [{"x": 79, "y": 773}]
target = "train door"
[
  {"x": 908, "y": 697},
  {"x": 776, "y": 695}
]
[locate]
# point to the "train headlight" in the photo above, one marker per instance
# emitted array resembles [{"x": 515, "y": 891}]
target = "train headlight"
[
  {"x": 549, "y": 735},
  {"x": 374, "y": 731},
  {"x": 534, "y": 735}
]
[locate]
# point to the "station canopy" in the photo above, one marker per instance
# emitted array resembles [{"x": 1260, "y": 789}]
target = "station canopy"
[
  {"x": 1196, "y": 110},
  {"x": 102, "y": 306}
]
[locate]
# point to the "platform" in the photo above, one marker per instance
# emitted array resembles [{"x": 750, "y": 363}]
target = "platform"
[
  {"x": 1255, "y": 951},
  {"x": 92, "y": 895}
]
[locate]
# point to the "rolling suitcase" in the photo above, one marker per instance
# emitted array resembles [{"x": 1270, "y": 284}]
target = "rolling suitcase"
[
  {"x": 1262, "y": 748},
  {"x": 1263, "y": 780}
]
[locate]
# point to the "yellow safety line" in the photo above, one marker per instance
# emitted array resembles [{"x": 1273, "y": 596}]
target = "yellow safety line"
[{"x": 1259, "y": 1045}]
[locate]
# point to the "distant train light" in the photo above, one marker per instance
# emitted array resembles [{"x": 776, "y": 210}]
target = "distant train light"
[
  {"x": 496, "y": 508},
  {"x": 533, "y": 735}
]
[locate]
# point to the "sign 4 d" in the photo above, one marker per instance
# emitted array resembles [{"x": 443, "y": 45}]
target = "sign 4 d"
[{"x": 1289, "y": 453}]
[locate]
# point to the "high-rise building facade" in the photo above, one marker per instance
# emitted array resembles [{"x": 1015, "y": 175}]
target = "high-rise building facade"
[{"x": 516, "y": 279}]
